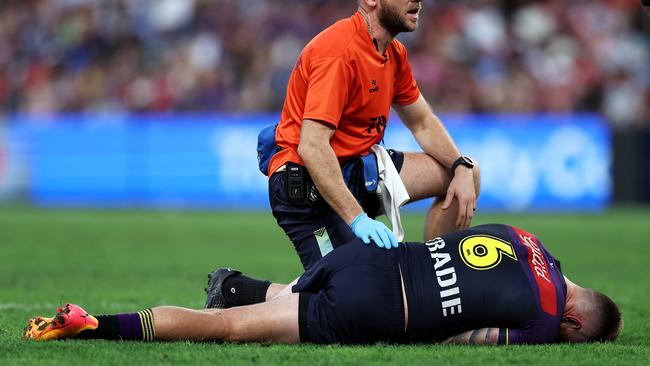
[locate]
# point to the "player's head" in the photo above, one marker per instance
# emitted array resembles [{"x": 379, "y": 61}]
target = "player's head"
[
  {"x": 396, "y": 16},
  {"x": 589, "y": 316}
]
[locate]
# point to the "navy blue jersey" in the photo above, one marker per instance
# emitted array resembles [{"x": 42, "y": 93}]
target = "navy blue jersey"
[{"x": 487, "y": 276}]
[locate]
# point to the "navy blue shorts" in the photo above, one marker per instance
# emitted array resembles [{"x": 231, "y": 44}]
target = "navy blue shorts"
[
  {"x": 311, "y": 225},
  {"x": 353, "y": 295}
]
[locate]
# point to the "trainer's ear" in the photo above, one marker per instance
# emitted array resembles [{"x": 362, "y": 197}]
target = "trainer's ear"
[{"x": 572, "y": 322}]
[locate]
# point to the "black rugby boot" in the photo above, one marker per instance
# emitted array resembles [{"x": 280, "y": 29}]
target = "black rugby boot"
[{"x": 214, "y": 290}]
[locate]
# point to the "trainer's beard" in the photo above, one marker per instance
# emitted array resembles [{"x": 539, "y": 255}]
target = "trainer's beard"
[{"x": 391, "y": 20}]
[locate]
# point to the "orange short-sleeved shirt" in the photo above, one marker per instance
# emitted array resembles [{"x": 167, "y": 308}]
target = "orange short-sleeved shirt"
[{"x": 341, "y": 79}]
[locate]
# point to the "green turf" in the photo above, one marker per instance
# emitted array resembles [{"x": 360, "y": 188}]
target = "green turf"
[{"x": 120, "y": 261}]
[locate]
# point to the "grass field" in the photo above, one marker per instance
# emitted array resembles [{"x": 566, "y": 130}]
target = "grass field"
[{"x": 119, "y": 261}]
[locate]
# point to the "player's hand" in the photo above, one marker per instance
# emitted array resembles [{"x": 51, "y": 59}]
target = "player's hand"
[
  {"x": 366, "y": 229},
  {"x": 462, "y": 188}
]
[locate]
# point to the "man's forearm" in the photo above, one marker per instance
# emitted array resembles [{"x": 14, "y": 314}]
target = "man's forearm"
[
  {"x": 325, "y": 171},
  {"x": 476, "y": 336},
  {"x": 434, "y": 140},
  {"x": 429, "y": 132}
]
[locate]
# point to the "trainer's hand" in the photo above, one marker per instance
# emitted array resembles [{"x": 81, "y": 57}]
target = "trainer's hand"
[
  {"x": 366, "y": 228},
  {"x": 461, "y": 187}
]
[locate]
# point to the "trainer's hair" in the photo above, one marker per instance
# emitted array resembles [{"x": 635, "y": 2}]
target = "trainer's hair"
[{"x": 607, "y": 316}]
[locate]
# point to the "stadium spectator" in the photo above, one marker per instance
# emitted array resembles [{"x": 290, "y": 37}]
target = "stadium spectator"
[{"x": 195, "y": 55}]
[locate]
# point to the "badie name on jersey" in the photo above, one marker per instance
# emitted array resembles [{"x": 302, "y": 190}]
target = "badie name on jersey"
[
  {"x": 449, "y": 293},
  {"x": 539, "y": 265}
]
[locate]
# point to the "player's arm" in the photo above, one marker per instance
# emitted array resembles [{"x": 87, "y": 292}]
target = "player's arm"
[
  {"x": 433, "y": 138},
  {"x": 530, "y": 334},
  {"x": 323, "y": 166},
  {"x": 476, "y": 336}
]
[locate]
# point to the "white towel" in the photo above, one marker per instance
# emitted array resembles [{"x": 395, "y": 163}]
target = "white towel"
[{"x": 391, "y": 191}]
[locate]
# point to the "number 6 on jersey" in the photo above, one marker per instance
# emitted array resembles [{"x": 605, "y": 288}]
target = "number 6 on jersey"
[{"x": 484, "y": 252}]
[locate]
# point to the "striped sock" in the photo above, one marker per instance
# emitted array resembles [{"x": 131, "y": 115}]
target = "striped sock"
[
  {"x": 146, "y": 321},
  {"x": 129, "y": 327}
]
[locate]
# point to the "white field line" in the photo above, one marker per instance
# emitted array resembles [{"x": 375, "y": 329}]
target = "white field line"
[{"x": 50, "y": 306}]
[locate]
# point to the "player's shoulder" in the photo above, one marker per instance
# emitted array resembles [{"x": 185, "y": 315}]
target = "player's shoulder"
[
  {"x": 334, "y": 41},
  {"x": 500, "y": 232},
  {"x": 490, "y": 228}
]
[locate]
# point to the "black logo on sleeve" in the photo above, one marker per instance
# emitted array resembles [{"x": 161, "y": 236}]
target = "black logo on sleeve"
[{"x": 377, "y": 124}]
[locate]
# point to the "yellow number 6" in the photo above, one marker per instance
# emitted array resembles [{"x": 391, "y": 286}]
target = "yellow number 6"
[{"x": 484, "y": 252}]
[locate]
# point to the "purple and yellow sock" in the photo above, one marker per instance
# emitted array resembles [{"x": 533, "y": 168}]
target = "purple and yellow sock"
[{"x": 129, "y": 327}]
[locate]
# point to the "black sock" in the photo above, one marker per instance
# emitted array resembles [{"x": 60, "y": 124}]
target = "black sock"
[
  {"x": 109, "y": 328},
  {"x": 241, "y": 290}
]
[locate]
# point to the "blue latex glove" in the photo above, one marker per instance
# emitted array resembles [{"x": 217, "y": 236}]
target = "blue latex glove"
[{"x": 366, "y": 229}]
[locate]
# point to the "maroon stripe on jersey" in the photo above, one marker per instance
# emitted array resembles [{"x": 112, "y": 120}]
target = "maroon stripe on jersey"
[{"x": 539, "y": 267}]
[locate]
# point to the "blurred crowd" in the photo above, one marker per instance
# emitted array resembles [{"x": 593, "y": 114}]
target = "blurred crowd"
[{"x": 236, "y": 55}]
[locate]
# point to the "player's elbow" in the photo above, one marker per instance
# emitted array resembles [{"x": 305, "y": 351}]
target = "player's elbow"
[
  {"x": 304, "y": 149},
  {"x": 314, "y": 139},
  {"x": 308, "y": 148}
]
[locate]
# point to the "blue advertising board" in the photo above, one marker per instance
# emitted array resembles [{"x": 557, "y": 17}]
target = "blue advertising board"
[{"x": 528, "y": 162}]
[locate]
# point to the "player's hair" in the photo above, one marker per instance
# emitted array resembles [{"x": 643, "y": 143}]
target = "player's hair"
[{"x": 608, "y": 318}]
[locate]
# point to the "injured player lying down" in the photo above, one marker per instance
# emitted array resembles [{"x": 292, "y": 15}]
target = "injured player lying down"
[{"x": 491, "y": 284}]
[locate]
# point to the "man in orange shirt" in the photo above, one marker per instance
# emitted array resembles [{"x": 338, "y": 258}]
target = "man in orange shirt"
[
  {"x": 337, "y": 104},
  {"x": 336, "y": 108}
]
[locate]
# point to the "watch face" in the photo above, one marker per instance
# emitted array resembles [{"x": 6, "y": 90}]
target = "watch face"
[
  {"x": 463, "y": 160},
  {"x": 468, "y": 161}
]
